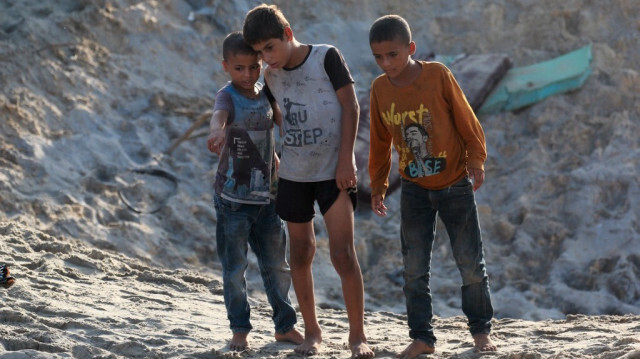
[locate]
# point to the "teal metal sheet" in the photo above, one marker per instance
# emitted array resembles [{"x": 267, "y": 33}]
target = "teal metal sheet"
[{"x": 523, "y": 86}]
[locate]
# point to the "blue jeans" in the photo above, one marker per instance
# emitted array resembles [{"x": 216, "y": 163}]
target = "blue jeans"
[
  {"x": 240, "y": 225},
  {"x": 456, "y": 207}
]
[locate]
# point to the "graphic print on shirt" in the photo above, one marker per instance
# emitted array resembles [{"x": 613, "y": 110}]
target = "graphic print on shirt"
[
  {"x": 249, "y": 175},
  {"x": 416, "y": 154},
  {"x": 296, "y": 116},
  {"x": 246, "y": 170}
]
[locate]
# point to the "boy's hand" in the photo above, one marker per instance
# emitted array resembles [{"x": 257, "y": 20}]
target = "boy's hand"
[
  {"x": 346, "y": 175},
  {"x": 477, "y": 177},
  {"x": 215, "y": 141},
  {"x": 377, "y": 205},
  {"x": 217, "y": 134}
]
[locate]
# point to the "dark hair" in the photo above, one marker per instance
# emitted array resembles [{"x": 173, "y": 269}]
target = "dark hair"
[
  {"x": 262, "y": 23},
  {"x": 420, "y": 128},
  {"x": 390, "y": 28},
  {"x": 234, "y": 44}
]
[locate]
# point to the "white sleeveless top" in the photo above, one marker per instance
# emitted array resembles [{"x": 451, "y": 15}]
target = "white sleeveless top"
[{"x": 312, "y": 119}]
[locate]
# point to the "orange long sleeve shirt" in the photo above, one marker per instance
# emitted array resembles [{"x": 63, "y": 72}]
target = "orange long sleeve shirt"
[{"x": 432, "y": 127}]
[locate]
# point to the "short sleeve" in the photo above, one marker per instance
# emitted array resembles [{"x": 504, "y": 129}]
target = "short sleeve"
[
  {"x": 337, "y": 69},
  {"x": 223, "y": 102}
]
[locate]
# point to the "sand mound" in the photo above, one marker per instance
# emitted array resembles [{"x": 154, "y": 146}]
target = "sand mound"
[{"x": 95, "y": 91}]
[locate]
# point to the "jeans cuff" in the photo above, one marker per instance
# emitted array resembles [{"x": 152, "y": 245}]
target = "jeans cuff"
[
  {"x": 285, "y": 330},
  {"x": 482, "y": 330},
  {"x": 429, "y": 342}
]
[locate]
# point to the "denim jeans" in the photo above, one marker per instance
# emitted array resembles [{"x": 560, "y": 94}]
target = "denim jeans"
[
  {"x": 238, "y": 226},
  {"x": 457, "y": 209}
]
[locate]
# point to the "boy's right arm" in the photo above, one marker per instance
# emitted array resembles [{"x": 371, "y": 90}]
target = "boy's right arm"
[
  {"x": 379, "y": 157},
  {"x": 216, "y": 138}
]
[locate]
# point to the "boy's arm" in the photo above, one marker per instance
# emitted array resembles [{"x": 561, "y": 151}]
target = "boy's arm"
[
  {"x": 277, "y": 116},
  {"x": 379, "y": 150},
  {"x": 277, "y": 119},
  {"x": 470, "y": 130},
  {"x": 276, "y": 159},
  {"x": 217, "y": 125},
  {"x": 379, "y": 157},
  {"x": 277, "y": 113},
  {"x": 346, "y": 171}
]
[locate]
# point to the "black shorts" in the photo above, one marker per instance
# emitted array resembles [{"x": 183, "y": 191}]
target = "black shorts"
[{"x": 295, "y": 200}]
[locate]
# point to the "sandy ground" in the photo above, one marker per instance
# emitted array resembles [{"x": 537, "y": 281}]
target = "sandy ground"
[
  {"x": 109, "y": 228},
  {"x": 72, "y": 300}
]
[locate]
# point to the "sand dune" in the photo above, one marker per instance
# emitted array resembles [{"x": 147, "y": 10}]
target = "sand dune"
[{"x": 111, "y": 235}]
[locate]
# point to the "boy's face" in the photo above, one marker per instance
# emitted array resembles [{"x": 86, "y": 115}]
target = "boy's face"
[
  {"x": 392, "y": 56},
  {"x": 244, "y": 70},
  {"x": 275, "y": 52}
]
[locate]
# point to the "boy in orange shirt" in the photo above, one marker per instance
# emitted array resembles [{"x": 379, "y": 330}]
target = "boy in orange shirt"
[{"x": 419, "y": 108}]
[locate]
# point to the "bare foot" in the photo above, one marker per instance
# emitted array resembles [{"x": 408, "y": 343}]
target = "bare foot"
[
  {"x": 416, "y": 348},
  {"x": 361, "y": 350},
  {"x": 239, "y": 342},
  {"x": 483, "y": 343},
  {"x": 8, "y": 282},
  {"x": 310, "y": 346},
  {"x": 292, "y": 336},
  {"x": 5, "y": 276}
]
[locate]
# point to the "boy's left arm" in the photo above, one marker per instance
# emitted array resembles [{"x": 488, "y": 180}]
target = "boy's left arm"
[
  {"x": 471, "y": 132},
  {"x": 346, "y": 172}
]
